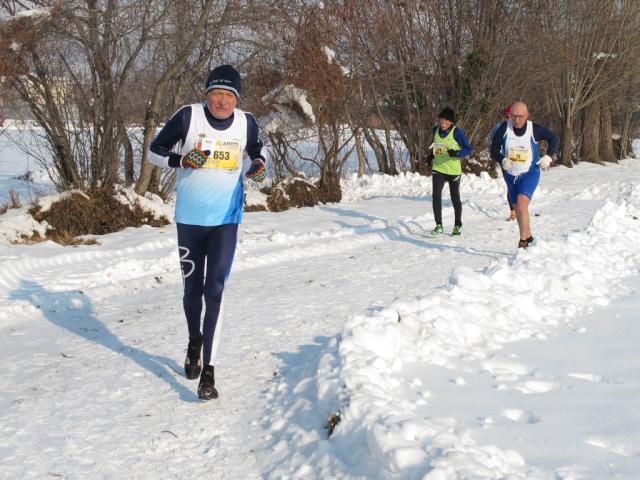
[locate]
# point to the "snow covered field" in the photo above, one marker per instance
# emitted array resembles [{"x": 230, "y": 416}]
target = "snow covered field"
[{"x": 446, "y": 357}]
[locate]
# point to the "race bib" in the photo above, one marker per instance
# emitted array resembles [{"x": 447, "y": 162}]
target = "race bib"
[
  {"x": 518, "y": 154},
  {"x": 439, "y": 149},
  {"x": 225, "y": 154}
]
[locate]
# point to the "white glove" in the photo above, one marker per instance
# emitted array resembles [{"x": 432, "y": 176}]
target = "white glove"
[
  {"x": 506, "y": 163},
  {"x": 545, "y": 162}
]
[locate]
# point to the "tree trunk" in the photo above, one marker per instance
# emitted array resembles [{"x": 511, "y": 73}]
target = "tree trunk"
[
  {"x": 150, "y": 123},
  {"x": 625, "y": 139},
  {"x": 129, "y": 174},
  {"x": 391, "y": 166},
  {"x": 566, "y": 143},
  {"x": 362, "y": 158},
  {"x": 329, "y": 185},
  {"x": 606, "y": 137},
  {"x": 154, "y": 181},
  {"x": 591, "y": 134},
  {"x": 378, "y": 149}
]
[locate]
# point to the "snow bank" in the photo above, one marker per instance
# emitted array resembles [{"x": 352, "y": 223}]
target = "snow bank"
[
  {"x": 17, "y": 224},
  {"x": 356, "y": 188},
  {"x": 149, "y": 202},
  {"x": 381, "y": 434}
]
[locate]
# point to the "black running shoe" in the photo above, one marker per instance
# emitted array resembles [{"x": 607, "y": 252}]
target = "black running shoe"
[
  {"x": 192, "y": 364},
  {"x": 525, "y": 243},
  {"x": 206, "y": 388}
]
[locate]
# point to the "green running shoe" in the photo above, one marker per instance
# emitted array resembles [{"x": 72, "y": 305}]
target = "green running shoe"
[
  {"x": 438, "y": 230},
  {"x": 457, "y": 230}
]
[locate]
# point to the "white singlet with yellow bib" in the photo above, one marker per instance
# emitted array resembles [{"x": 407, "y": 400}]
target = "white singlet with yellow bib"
[
  {"x": 522, "y": 151},
  {"x": 212, "y": 195}
]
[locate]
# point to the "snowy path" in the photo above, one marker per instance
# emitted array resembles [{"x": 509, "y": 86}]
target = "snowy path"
[{"x": 93, "y": 338}]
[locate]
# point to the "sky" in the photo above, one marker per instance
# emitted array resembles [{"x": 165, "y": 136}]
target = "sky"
[{"x": 445, "y": 357}]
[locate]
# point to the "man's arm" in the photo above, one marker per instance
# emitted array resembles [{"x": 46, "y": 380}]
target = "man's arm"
[
  {"x": 541, "y": 132},
  {"x": 254, "y": 143},
  {"x": 465, "y": 148},
  {"x": 496, "y": 143},
  {"x": 174, "y": 131}
]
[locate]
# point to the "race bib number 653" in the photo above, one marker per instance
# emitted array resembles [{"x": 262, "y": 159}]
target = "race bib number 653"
[{"x": 225, "y": 154}]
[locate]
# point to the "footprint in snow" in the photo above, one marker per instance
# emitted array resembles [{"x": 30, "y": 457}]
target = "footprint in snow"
[
  {"x": 612, "y": 446},
  {"x": 535, "y": 386},
  {"x": 593, "y": 377},
  {"x": 519, "y": 415},
  {"x": 504, "y": 370}
]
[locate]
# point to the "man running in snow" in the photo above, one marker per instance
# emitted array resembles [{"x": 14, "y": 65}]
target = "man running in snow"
[
  {"x": 449, "y": 146},
  {"x": 505, "y": 117},
  {"x": 515, "y": 147},
  {"x": 210, "y": 139}
]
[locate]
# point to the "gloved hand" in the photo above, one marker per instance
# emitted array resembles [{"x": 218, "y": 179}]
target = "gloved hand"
[
  {"x": 195, "y": 158},
  {"x": 256, "y": 171},
  {"x": 545, "y": 162},
  {"x": 452, "y": 153},
  {"x": 506, "y": 163},
  {"x": 430, "y": 158}
]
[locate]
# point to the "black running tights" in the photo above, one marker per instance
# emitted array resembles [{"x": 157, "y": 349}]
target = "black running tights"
[{"x": 439, "y": 180}]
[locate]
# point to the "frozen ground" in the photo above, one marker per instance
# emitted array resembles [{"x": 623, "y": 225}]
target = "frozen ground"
[{"x": 446, "y": 357}]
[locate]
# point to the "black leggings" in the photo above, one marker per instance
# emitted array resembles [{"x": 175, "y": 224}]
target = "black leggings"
[
  {"x": 215, "y": 248},
  {"x": 439, "y": 180}
]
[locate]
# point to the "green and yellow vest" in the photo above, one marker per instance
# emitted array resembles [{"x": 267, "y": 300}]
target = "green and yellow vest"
[{"x": 442, "y": 162}]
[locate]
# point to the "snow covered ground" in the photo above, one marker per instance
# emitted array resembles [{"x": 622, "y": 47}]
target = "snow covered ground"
[
  {"x": 445, "y": 357},
  {"x": 15, "y": 162}
]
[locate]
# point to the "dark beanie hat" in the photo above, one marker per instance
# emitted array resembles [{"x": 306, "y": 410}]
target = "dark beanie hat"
[
  {"x": 225, "y": 77},
  {"x": 448, "y": 114}
]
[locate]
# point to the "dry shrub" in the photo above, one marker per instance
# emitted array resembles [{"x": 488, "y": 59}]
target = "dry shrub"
[
  {"x": 97, "y": 213},
  {"x": 29, "y": 240},
  {"x": 255, "y": 208},
  {"x": 302, "y": 193},
  {"x": 477, "y": 165},
  {"x": 14, "y": 199},
  {"x": 3, "y": 208},
  {"x": 278, "y": 200},
  {"x": 292, "y": 193},
  {"x": 332, "y": 422}
]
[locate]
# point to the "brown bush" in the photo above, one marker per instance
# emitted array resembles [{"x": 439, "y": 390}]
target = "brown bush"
[
  {"x": 97, "y": 213},
  {"x": 292, "y": 193},
  {"x": 35, "y": 237},
  {"x": 302, "y": 193},
  {"x": 255, "y": 208},
  {"x": 278, "y": 200},
  {"x": 14, "y": 199},
  {"x": 477, "y": 165}
]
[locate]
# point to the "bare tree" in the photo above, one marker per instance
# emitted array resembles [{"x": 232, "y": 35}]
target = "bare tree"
[
  {"x": 90, "y": 69},
  {"x": 590, "y": 48},
  {"x": 186, "y": 44},
  {"x": 71, "y": 66}
]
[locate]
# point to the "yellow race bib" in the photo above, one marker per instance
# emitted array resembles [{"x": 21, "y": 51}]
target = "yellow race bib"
[
  {"x": 225, "y": 154},
  {"x": 518, "y": 154},
  {"x": 439, "y": 149}
]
